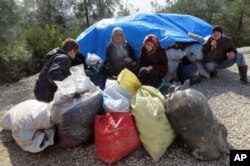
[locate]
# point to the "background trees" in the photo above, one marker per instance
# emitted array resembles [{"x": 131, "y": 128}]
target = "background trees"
[
  {"x": 29, "y": 29},
  {"x": 232, "y": 15}
]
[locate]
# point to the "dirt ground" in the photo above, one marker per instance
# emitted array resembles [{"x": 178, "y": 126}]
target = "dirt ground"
[{"x": 229, "y": 100}]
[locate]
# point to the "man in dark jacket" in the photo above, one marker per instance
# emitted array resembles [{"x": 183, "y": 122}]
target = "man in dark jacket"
[
  {"x": 220, "y": 52},
  {"x": 56, "y": 68}
]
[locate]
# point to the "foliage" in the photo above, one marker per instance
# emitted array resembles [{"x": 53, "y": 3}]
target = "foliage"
[
  {"x": 13, "y": 53},
  {"x": 41, "y": 41},
  {"x": 233, "y": 16},
  {"x": 235, "y": 20},
  {"x": 126, "y": 9},
  {"x": 90, "y": 11},
  {"x": 205, "y": 9},
  {"x": 52, "y": 12},
  {"x": 7, "y": 19},
  {"x": 14, "y": 59}
]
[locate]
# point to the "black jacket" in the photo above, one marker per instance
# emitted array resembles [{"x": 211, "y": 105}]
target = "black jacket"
[
  {"x": 115, "y": 64},
  {"x": 56, "y": 67},
  {"x": 80, "y": 59}
]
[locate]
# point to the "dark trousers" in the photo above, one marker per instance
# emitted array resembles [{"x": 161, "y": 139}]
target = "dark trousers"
[{"x": 151, "y": 78}]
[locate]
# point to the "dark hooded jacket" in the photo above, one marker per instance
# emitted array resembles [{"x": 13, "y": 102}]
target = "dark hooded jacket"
[{"x": 56, "y": 67}]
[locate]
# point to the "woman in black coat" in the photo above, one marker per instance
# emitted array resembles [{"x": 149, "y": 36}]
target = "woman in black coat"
[{"x": 119, "y": 54}]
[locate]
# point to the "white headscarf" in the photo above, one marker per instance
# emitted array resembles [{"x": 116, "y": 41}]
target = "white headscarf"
[{"x": 120, "y": 47}]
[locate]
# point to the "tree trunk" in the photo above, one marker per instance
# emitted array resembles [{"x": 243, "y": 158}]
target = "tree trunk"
[
  {"x": 211, "y": 10},
  {"x": 86, "y": 12},
  {"x": 241, "y": 17}
]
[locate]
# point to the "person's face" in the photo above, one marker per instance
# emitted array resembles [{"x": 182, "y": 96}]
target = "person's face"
[
  {"x": 118, "y": 38},
  {"x": 73, "y": 53},
  {"x": 216, "y": 35},
  {"x": 149, "y": 46}
]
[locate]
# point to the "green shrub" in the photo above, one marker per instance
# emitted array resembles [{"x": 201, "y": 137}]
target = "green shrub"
[
  {"x": 14, "y": 59},
  {"x": 40, "y": 42}
]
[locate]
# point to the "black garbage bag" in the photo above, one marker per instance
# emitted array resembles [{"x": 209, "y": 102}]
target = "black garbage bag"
[
  {"x": 74, "y": 117},
  {"x": 97, "y": 74},
  {"x": 193, "y": 121}
]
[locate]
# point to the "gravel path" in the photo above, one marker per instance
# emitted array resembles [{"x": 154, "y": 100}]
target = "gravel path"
[{"x": 229, "y": 100}]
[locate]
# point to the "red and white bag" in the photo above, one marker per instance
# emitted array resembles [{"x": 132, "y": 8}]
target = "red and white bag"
[{"x": 116, "y": 136}]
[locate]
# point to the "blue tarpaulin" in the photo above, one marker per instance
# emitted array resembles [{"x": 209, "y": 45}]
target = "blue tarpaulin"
[{"x": 169, "y": 28}]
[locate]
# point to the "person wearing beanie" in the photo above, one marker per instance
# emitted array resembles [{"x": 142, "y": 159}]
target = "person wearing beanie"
[
  {"x": 56, "y": 68},
  {"x": 217, "y": 28},
  {"x": 119, "y": 54},
  {"x": 152, "y": 61},
  {"x": 219, "y": 52}
]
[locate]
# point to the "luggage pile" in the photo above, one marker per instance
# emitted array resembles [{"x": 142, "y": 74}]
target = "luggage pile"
[
  {"x": 184, "y": 62},
  {"x": 120, "y": 119}
]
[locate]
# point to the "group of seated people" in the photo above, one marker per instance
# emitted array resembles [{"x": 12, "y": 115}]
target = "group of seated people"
[{"x": 151, "y": 67}]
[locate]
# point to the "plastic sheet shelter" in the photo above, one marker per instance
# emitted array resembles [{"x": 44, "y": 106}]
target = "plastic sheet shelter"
[{"x": 169, "y": 28}]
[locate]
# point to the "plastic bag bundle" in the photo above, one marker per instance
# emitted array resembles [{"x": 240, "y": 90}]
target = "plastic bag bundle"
[
  {"x": 30, "y": 125},
  {"x": 194, "y": 122},
  {"x": 77, "y": 70},
  {"x": 96, "y": 70},
  {"x": 110, "y": 83},
  {"x": 115, "y": 136},
  {"x": 188, "y": 71},
  {"x": 174, "y": 57},
  {"x": 201, "y": 68},
  {"x": 195, "y": 54},
  {"x": 93, "y": 59},
  {"x": 128, "y": 81},
  {"x": 175, "y": 54},
  {"x": 156, "y": 133},
  {"x": 74, "y": 117},
  {"x": 97, "y": 74},
  {"x": 73, "y": 109},
  {"x": 116, "y": 99}
]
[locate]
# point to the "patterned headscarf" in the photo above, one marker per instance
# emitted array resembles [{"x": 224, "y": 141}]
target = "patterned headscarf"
[{"x": 153, "y": 40}]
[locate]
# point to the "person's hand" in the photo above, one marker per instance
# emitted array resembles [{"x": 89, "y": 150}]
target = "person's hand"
[
  {"x": 128, "y": 60},
  {"x": 213, "y": 43},
  {"x": 149, "y": 68},
  {"x": 230, "y": 55}
]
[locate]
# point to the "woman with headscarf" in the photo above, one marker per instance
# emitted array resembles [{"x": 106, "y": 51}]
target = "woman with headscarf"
[
  {"x": 119, "y": 54},
  {"x": 153, "y": 62}
]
